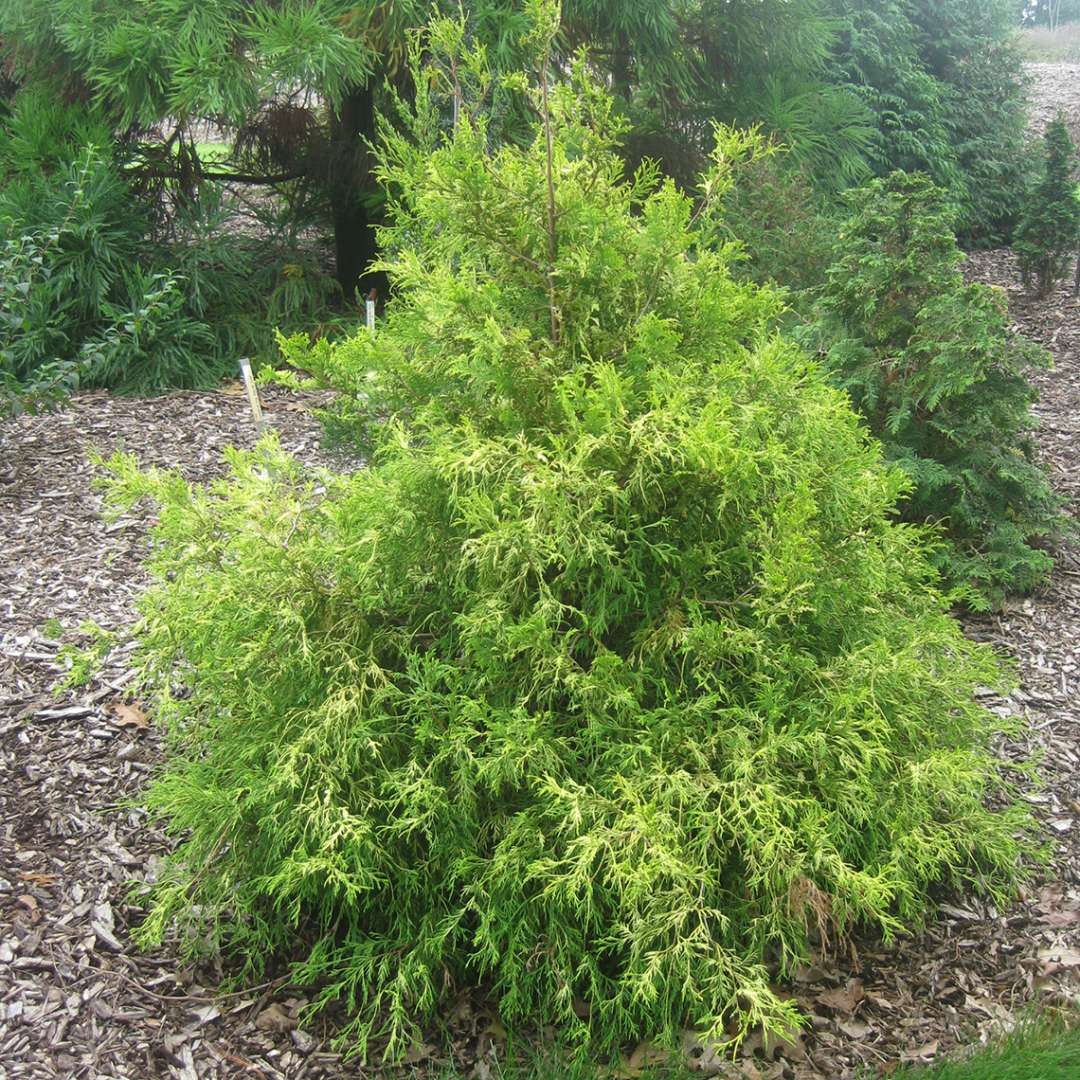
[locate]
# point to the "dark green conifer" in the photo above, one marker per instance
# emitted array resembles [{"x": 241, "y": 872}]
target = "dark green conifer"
[
  {"x": 1047, "y": 236},
  {"x": 933, "y": 364}
]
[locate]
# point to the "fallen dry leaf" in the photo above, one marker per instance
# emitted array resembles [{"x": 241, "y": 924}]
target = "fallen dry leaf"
[
  {"x": 881, "y": 1002},
  {"x": 124, "y": 715},
  {"x": 205, "y": 1013},
  {"x": 707, "y": 1058},
  {"x": 274, "y": 1018},
  {"x": 790, "y": 1047},
  {"x": 1058, "y": 960},
  {"x": 854, "y": 1029},
  {"x": 419, "y": 1051},
  {"x": 38, "y": 879},
  {"x": 1060, "y": 918},
  {"x": 645, "y": 1055},
  {"x": 810, "y": 974},
  {"x": 924, "y": 1053},
  {"x": 843, "y": 999}
]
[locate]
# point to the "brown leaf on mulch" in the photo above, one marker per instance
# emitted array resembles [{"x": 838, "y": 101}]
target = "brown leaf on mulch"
[
  {"x": 124, "y": 715},
  {"x": 843, "y": 1000}
]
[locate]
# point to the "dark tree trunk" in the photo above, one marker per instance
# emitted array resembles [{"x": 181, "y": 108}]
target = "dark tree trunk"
[
  {"x": 620, "y": 67},
  {"x": 349, "y": 181}
]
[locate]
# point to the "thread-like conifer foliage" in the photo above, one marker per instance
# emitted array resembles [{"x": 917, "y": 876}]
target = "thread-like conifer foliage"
[{"x": 610, "y": 684}]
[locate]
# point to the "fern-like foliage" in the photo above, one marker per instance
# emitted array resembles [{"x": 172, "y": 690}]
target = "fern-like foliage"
[
  {"x": 944, "y": 83},
  {"x": 611, "y": 684},
  {"x": 825, "y": 127}
]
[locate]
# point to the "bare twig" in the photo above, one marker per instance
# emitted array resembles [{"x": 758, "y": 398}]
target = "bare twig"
[{"x": 552, "y": 235}]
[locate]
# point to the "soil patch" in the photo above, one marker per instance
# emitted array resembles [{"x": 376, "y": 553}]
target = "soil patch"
[{"x": 1054, "y": 87}]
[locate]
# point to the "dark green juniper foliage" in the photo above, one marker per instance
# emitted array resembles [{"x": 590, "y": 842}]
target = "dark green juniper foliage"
[
  {"x": 1047, "y": 236},
  {"x": 611, "y": 679},
  {"x": 932, "y": 364}
]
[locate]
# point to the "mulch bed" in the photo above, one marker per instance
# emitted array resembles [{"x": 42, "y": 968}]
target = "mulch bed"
[
  {"x": 1054, "y": 87},
  {"x": 77, "y": 999}
]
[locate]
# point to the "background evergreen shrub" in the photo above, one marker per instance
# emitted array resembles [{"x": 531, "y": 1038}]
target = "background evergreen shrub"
[
  {"x": 105, "y": 292},
  {"x": 969, "y": 47},
  {"x": 612, "y": 680},
  {"x": 1049, "y": 229},
  {"x": 853, "y": 87},
  {"x": 935, "y": 368},
  {"x": 944, "y": 84},
  {"x": 786, "y": 228}
]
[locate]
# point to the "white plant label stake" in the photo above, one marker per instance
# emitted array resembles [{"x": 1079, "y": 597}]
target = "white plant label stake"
[
  {"x": 252, "y": 394},
  {"x": 370, "y": 306}
]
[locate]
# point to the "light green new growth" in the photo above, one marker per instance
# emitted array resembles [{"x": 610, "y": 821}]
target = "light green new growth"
[{"x": 612, "y": 680}]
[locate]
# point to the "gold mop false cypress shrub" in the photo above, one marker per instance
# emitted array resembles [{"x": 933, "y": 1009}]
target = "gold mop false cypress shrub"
[{"x": 611, "y": 681}]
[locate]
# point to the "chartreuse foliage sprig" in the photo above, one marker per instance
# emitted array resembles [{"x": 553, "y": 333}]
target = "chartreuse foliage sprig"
[{"x": 611, "y": 681}]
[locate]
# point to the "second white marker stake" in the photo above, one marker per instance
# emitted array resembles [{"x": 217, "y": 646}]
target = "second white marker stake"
[{"x": 252, "y": 394}]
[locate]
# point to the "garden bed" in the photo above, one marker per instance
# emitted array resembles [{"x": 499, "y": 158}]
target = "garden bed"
[{"x": 77, "y": 999}]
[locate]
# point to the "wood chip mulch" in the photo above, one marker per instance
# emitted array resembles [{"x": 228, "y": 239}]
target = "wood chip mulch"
[{"x": 1054, "y": 88}]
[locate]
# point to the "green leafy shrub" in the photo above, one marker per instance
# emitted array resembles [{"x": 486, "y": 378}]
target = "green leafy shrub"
[
  {"x": 149, "y": 342},
  {"x": 244, "y": 281},
  {"x": 85, "y": 231},
  {"x": 62, "y": 247},
  {"x": 933, "y": 365},
  {"x": 879, "y": 56},
  {"x": 944, "y": 82},
  {"x": 1050, "y": 227},
  {"x": 22, "y": 263},
  {"x": 108, "y": 292},
  {"x": 611, "y": 683},
  {"x": 43, "y": 133},
  {"x": 969, "y": 47},
  {"x": 84, "y": 311}
]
